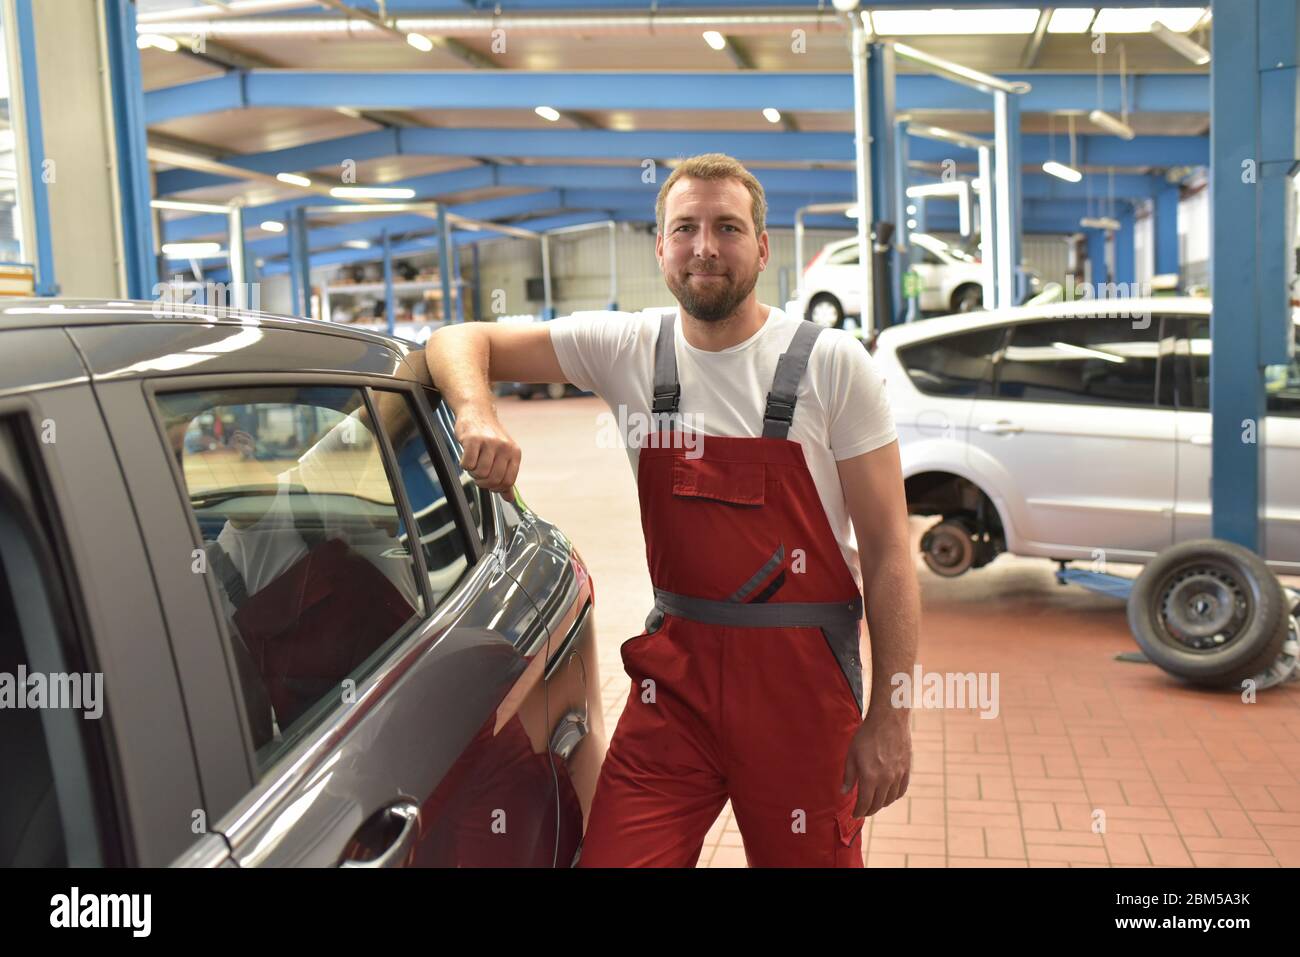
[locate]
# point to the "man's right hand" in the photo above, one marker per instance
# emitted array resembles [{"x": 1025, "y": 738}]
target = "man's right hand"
[{"x": 491, "y": 455}]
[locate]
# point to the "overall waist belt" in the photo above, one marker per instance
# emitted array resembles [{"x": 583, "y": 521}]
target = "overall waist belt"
[{"x": 783, "y": 614}]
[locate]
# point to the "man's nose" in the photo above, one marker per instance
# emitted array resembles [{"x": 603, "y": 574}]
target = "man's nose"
[{"x": 706, "y": 246}]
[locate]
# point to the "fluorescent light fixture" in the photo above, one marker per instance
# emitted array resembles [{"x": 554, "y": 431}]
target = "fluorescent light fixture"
[
  {"x": 1100, "y": 222},
  {"x": 157, "y": 41},
  {"x": 1180, "y": 44},
  {"x": 547, "y": 113},
  {"x": 1111, "y": 125},
  {"x": 293, "y": 179},
  {"x": 420, "y": 42},
  {"x": 357, "y": 243},
  {"x": 953, "y": 22},
  {"x": 954, "y": 188},
  {"x": 1087, "y": 353},
  {"x": 851, "y": 212},
  {"x": 271, "y": 226},
  {"x": 1061, "y": 171},
  {"x": 1070, "y": 20},
  {"x": 372, "y": 192},
  {"x": 715, "y": 39},
  {"x": 1140, "y": 19},
  {"x": 772, "y": 115},
  {"x": 845, "y": 6},
  {"x": 191, "y": 250}
]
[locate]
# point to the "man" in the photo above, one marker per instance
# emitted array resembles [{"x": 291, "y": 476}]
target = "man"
[{"x": 772, "y": 503}]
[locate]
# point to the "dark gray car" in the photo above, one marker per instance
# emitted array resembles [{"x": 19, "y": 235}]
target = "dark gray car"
[{"x": 220, "y": 642}]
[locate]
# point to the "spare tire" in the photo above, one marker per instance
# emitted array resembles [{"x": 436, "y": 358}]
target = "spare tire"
[{"x": 1209, "y": 612}]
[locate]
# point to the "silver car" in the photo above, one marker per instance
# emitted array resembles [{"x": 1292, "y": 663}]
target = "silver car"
[{"x": 253, "y": 613}]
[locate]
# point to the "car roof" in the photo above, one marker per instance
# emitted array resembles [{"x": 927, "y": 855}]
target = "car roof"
[
  {"x": 71, "y": 313},
  {"x": 1080, "y": 308}
]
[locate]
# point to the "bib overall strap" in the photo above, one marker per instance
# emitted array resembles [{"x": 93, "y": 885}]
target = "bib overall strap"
[
  {"x": 667, "y": 390},
  {"x": 779, "y": 412}
]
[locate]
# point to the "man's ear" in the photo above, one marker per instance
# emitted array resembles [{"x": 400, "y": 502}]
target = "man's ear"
[
  {"x": 764, "y": 250},
  {"x": 659, "y": 248}
]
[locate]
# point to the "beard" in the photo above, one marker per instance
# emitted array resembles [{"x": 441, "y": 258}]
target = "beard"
[{"x": 712, "y": 301}]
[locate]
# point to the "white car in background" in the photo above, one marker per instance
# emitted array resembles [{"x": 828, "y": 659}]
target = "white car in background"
[
  {"x": 831, "y": 288},
  {"x": 1054, "y": 431}
]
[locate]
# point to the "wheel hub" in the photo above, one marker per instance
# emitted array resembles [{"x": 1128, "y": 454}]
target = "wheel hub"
[{"x": 1204, "y": 608}]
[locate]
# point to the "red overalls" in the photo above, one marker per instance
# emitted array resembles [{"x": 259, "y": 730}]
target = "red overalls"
[{"x": 746, "y": 684}]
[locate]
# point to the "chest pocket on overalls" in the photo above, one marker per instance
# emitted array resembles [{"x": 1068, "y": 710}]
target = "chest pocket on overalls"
[{"x": 736, "y": 483}]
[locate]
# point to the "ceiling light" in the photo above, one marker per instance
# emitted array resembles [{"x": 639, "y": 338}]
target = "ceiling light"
[
  {"x": 715, "y": 39},
  {"x": 1111, "y": 125},
  {"x": 953, "y": 22},
  {"x": 271, "y": 226},
  {"x": 191, "y": 250},
  {"x": 1061, "y": 171},
  {"x": 1070, "y": 20},
  {"x": 851, "y": 212},
  {"x": 1139, "y": 20},
  {"x": 293, "y": 179},
  {"x": 1181, "y": 44},
  {"x": 157, "y": 41},
  {"x": 547, "y": 113},
  {"x": 911, "y": 210},
  {"x": 1100, "y": 222},
  {"x": 420, "y": 42},
  {"x": 357, "y": 243},
  {"x": 911, "y": 224},
  {"x": 772, "y": 115},
  {"x": 372, "y": 192}
]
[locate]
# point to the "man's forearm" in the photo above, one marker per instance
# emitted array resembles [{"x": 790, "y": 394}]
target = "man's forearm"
[
  {"x": 459, "y": 359},
  {"x": 893, "y": 600}
]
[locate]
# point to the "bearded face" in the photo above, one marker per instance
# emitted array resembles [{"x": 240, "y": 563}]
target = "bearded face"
[{"x": 709, "y": 253}]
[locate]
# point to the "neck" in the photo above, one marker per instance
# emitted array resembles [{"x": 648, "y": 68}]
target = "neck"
[{"x": 725, "y": 333}]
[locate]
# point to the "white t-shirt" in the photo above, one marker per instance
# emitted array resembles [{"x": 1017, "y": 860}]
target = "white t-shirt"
[{"x": 841, "y": 409}]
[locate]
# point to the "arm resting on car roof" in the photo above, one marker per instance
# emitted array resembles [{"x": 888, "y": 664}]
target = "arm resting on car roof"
[{"x": 464, "y": 360}]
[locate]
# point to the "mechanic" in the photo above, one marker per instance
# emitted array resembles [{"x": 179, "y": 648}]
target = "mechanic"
[{"x": 762, "y": 547}]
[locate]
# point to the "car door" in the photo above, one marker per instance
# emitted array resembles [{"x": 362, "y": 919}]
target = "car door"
[
  {"x": 840, "y": 275},
  {"x": 369, "y": 640},
  {"x": 950, "y": 373},
  {"x": 1083, "y": 436},
  {"x": 1280, "y": 535}
]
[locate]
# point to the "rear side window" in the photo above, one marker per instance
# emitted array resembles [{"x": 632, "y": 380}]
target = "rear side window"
[
  {"x": 480, "y": 500},
  {"x": 957, "y": 365},
  {"x": 304, "y": 538},
  {"x": 1281, "y": 383},
  {"x": 1100, "y": 361},
  {"x": 848, "y": 256},
  {"x": 49, "y": 703}
]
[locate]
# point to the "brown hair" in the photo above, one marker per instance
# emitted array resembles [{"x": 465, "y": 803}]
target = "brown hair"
[{"x": 715, "y": 166}]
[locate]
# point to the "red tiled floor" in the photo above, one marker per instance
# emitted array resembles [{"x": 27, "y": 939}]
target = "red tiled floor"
[{"x": 1089, "y": 762}]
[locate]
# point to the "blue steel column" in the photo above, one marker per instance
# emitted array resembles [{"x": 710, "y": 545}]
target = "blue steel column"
[
  {"x": 476, "y": 289},
  {"x": 390, "y": 303},
  {"x": 1236, "y": 380},
  {"x": 444, "y": 263},
  {"x": 132, "y": 159},
  {"x": 299, "y": 262},
  {"x": 1097, "y": 273},
  {"x": 1125, "y": 256},
  {"x": 1166, "y": 229},
  {"x": 459, "y": 285},
  {"x": 35, "y": 139},
  {"x": 880, "y": 87}
]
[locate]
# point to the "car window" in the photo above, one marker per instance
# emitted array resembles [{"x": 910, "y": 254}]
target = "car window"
[
  {"x": 1103, "y": 361},
  {"x": 446, "y": 555},
  {"x": 957, "y": 365},
  {"x": 304, "y": 540},
  {"x": 47, "y": 704},
  {"x": 929, "y": 258},
  {"x": 1281, "y": 383},
  {"x": 480, "y": 500},
  {"x": 848, "y": 256}
]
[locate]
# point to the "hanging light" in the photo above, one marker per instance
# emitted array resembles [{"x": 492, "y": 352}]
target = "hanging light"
[{"x": 1071, "y": 173}]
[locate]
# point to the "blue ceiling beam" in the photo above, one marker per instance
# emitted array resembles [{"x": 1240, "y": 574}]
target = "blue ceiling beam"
[
  {"x": 750, "y": 147},
  {"x": 731, "y": 91}
]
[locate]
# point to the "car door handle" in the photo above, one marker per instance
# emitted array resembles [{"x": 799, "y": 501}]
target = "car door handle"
[
  {"x": 407, "y": 815},
  {"x": 1201, "y": 440},
  {"x": 1001, "y": 427}
]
